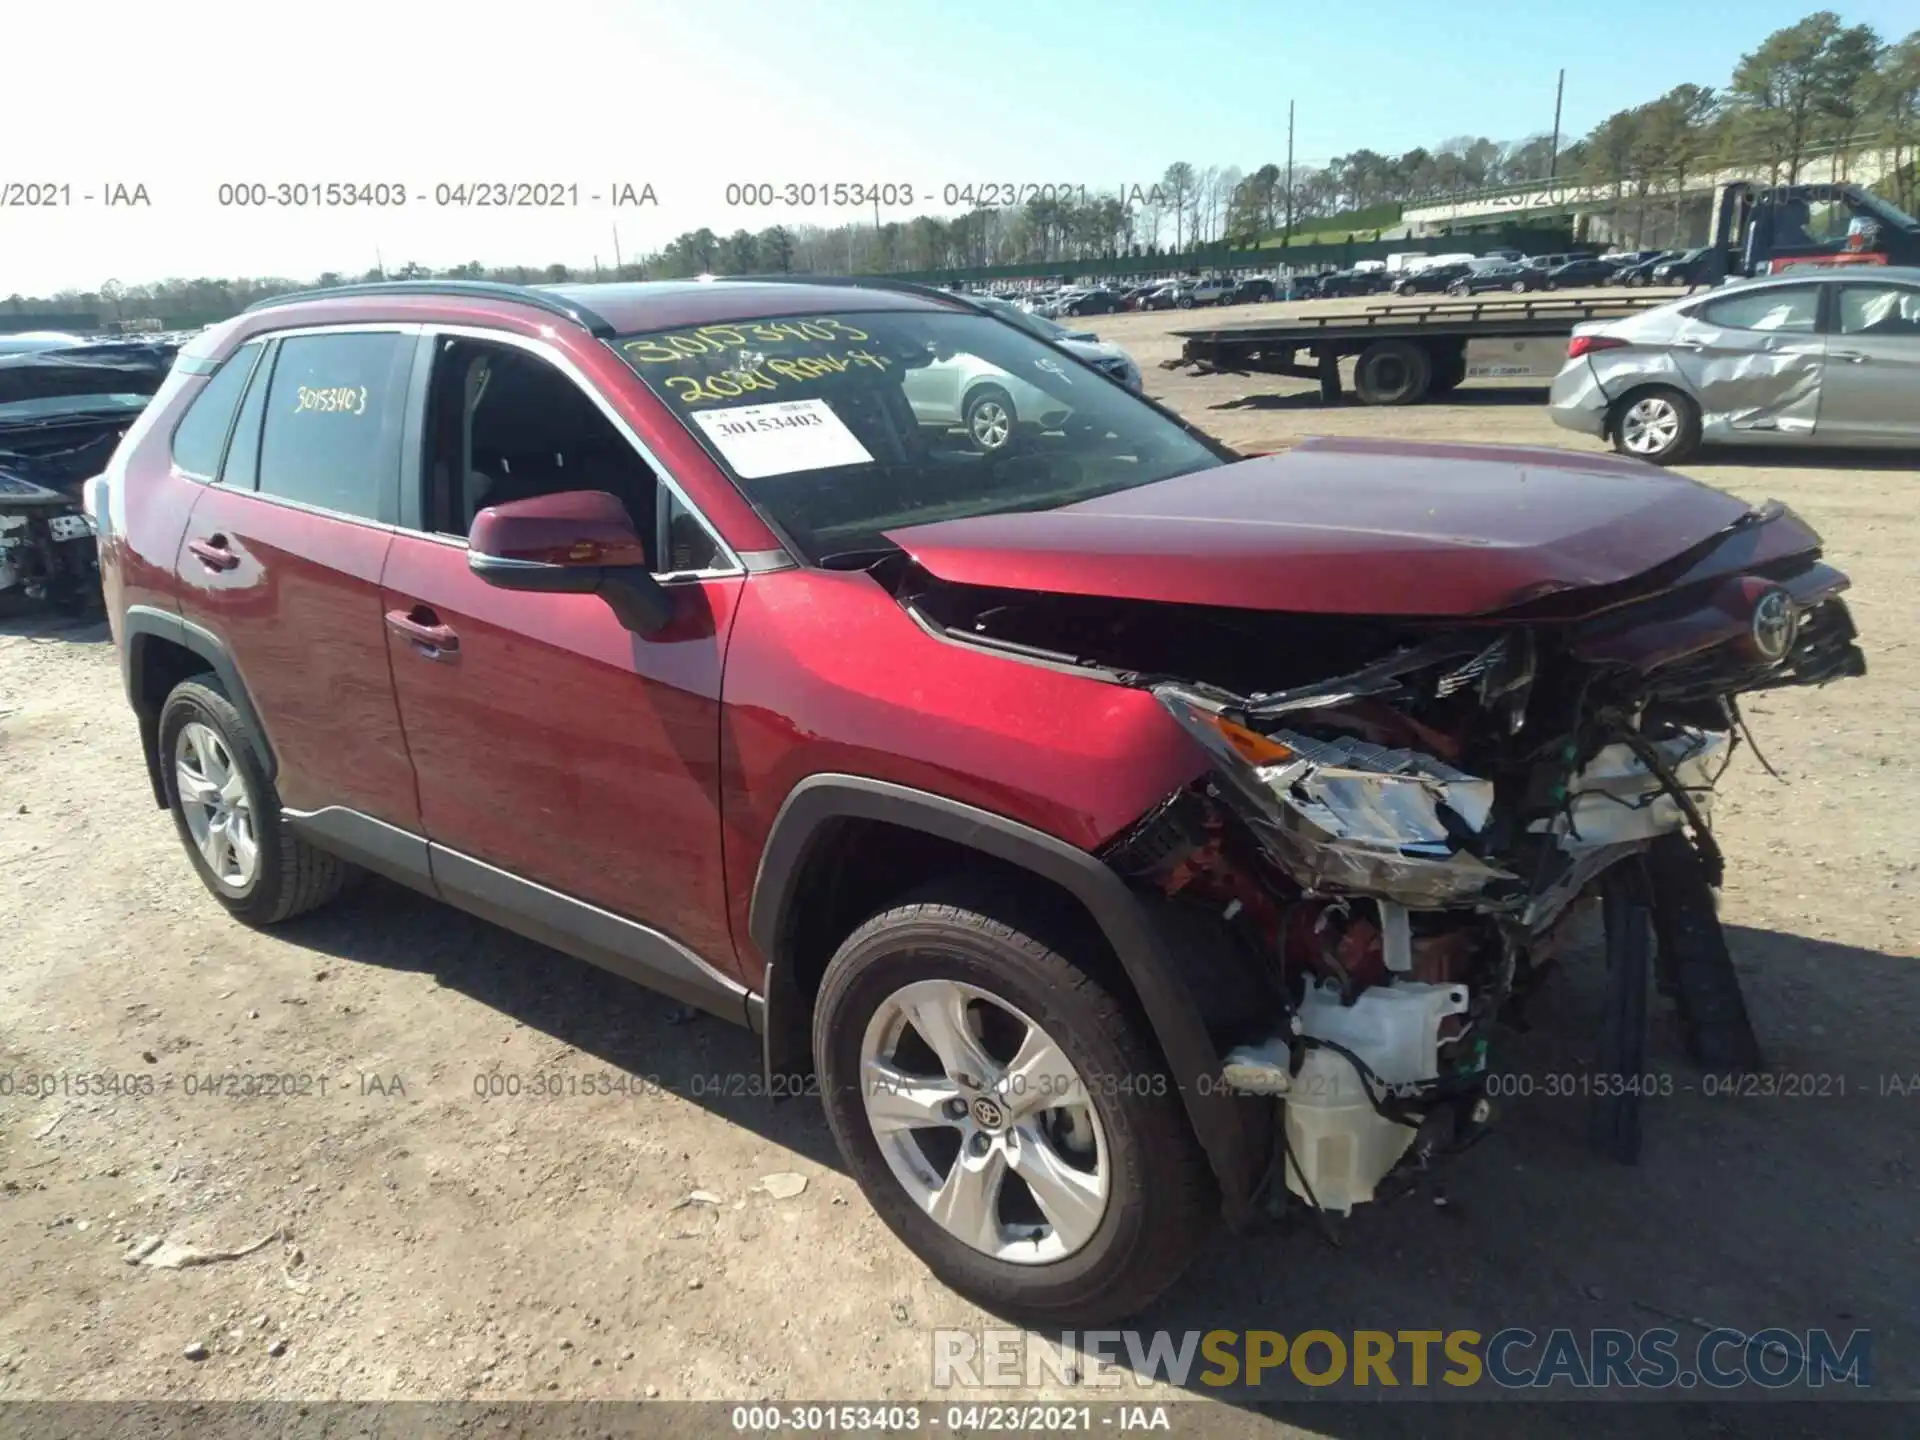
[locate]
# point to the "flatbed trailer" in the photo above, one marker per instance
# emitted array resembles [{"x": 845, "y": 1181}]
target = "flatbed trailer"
[{"x": 1406, "y": 350}]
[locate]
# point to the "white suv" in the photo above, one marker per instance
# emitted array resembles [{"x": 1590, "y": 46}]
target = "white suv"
[{"x": 993, "y": 405}]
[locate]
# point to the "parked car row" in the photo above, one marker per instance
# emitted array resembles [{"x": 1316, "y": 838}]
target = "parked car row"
[{"x": 1498, "y": 269}]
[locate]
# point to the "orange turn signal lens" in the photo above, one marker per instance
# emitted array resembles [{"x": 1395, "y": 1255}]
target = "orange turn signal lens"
[{"x": 1254, "y": 748}]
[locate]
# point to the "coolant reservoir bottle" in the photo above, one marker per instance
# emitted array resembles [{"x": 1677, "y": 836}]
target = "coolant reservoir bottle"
[{"x": 1341, "y": 1144}]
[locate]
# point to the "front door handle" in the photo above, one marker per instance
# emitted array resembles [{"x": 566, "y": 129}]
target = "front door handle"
[
  {"x": 213, "y": 553},
  {"x": 423, "y": 628},
  {"x": 1852, "y": 357}
]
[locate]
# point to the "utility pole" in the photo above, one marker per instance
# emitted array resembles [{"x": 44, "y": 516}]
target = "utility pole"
[
  {"x": 1289, "y": 230},
  {"x": 617, "y": 266},
  {"x": 1553, "y": 150}
]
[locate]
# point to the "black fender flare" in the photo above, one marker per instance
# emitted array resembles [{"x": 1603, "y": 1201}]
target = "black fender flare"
[
  {"x": 1129, "y": 927},
  {"x": 139, "y": 627}
]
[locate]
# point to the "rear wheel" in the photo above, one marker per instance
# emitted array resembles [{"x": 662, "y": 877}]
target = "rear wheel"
[
  {"x": 1002, "y": 1111},
  {"x": 228, "y": 814},
  {"x": 1519, "y": 287},
  {"x": 1657, "y": 424},
  {"x": 1392, "y": 372}
]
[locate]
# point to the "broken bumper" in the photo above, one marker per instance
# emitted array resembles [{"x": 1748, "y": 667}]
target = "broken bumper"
[{"x": 1576, "y": 401}]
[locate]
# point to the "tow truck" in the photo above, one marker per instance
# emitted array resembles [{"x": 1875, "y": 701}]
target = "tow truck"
[
  {"x": 1406, "y": 353},
  {"x": 1765, "y": 229}
]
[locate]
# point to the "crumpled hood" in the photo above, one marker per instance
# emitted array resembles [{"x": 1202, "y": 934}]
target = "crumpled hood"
[
  {"x": 1093, "y": 349},
  {"x": 1353, "y": 526},
  {"x": 126, "y": 368}
]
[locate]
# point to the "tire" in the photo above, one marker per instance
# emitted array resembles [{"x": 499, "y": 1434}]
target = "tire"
[
  {"x": 1657, "y": 424},
  {"x": 1185, "y": 302},
  {"x": 990, "y": 419},
  {"x": 1448, "y": 371},
  {"x": 1392, "y": 372},
  {"x": 1695, "y": 961},
  {"x": 1613, "y": 1115},
  {"x": 200, "y": 729},
  {"x": 1519, "y": 287},
  {"x": 946, "y": 947}
]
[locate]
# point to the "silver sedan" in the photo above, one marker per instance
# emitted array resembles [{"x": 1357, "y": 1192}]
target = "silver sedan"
[{"x": 1805, "y": 358}]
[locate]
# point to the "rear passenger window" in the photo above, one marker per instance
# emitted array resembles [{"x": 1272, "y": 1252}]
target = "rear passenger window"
[
  {"x": 1793, "y": 310},
  {"x": 201, "y": 435},
  {"x": 242, "y": 470},
  {"x": 333, "y": 420}
]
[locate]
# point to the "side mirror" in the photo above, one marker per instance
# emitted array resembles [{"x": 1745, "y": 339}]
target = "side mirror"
[{"x": 579, "y": 542}]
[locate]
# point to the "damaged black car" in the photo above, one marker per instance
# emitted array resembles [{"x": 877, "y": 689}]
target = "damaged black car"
[{"x": 62, "y": 413}]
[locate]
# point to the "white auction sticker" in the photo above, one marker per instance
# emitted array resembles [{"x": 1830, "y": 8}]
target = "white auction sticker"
[{"x": 783, "y": 438}]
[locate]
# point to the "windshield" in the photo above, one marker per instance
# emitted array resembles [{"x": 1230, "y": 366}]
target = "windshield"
[
  {"x": 1027, "y": 320},
  {"x": 839, "y": 428}
]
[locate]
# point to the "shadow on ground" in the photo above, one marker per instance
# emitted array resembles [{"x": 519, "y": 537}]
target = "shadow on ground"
[
  {"x": 36, "y": 620},
  {"x": 1794, "y": 1209},
  {"x": 1783, "y": 456}
]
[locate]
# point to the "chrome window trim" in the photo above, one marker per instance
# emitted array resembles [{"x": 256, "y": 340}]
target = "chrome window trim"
[
  {"x": 565, "y": 365},
  {"x": 364, "y": 521},
  {"x": 398, "y": 327}
]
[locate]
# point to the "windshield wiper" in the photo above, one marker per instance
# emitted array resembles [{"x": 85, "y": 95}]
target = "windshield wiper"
[{"x": 858, "y": 559}]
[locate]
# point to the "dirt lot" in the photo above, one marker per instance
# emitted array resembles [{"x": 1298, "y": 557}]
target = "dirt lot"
[{"x": 430, "y": 1243}]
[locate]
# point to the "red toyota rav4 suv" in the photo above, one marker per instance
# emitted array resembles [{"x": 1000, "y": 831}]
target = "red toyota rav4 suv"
[{"x": 1112, "y": 829}]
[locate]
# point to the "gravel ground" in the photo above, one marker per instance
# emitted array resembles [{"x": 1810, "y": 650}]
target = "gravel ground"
[{"x": 424, "y": 1242}]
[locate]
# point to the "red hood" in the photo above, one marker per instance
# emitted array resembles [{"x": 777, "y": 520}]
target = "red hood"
[{"x": 1347, "y": 526}]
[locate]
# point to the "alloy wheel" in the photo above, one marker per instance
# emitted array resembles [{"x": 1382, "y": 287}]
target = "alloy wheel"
[
  {"x": 218, "y": 809},
  {"x": 1650, "y": 425},
  {"x": 989, "y": 424},
  {"x": 984, "y": 1122}
]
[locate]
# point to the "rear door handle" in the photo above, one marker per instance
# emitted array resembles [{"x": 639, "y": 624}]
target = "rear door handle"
[
  {"x": 214, "y": 553},
  {"x": 1852, "y": 357},
  {"x": 421, "y": 626}
]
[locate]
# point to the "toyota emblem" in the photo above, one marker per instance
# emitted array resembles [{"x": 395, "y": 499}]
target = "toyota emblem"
[{"x": 1775, "y": 624}]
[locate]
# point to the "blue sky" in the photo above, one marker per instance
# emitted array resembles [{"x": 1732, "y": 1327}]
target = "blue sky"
[{"x": 688, "y": 97}]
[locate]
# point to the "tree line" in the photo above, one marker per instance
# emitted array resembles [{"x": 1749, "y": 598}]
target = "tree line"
[{"x": 1818, "y": 87}]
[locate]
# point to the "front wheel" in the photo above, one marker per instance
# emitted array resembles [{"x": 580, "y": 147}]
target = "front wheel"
[
  {"x": 1185, "y": 302},
  {"x": 1658, "y": 424},
  {"x": 989, "y": 418},
  {"x": 1001, "y": 1110}
]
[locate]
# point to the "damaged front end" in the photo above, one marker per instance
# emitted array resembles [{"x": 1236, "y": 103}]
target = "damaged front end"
[
  {"x": 1398, "y": 833},
  {"x": 62, "y": 413}
]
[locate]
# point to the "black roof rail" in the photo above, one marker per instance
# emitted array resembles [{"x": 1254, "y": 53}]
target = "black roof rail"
[
  {"x": 861, "y": 282},
  {"x": 596, "y": 325}
]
